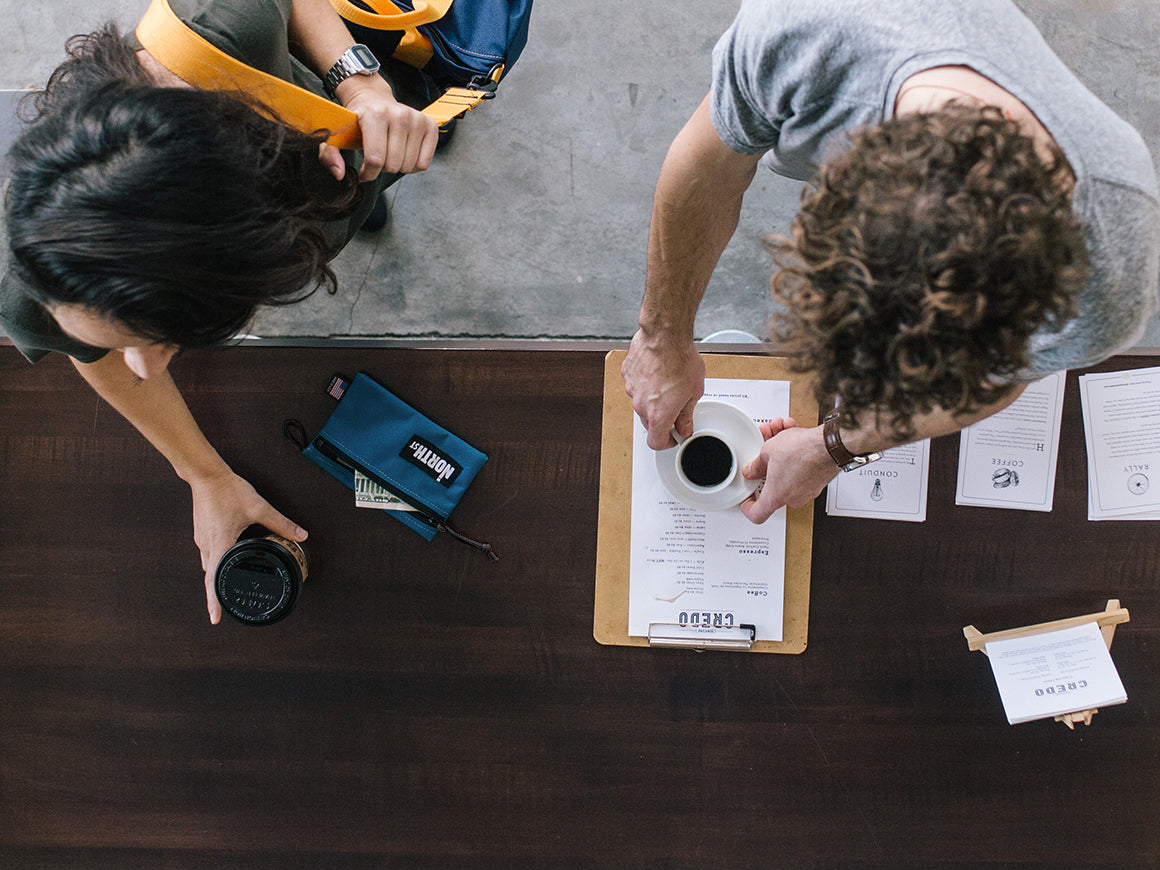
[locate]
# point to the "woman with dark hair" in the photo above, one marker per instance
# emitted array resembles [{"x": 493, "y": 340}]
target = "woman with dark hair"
[{"x": 147, "y": 217}]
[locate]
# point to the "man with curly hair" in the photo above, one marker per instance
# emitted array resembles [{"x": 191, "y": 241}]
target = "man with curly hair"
[{"x": 977, "y": 220}]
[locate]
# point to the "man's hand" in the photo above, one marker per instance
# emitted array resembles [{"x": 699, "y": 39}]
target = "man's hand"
[
  {"x": 224, "y": 505},
  {"x": 396, "y": 138},
  {"x": 795, "y": 465},
  {"x": 664, "y": 381}
]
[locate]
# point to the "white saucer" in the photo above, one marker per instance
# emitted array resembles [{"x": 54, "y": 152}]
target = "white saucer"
[{"x": 741, "y": 431}]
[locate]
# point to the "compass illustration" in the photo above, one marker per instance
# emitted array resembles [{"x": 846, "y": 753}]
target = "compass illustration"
[{"x": 1138, "y": 484}]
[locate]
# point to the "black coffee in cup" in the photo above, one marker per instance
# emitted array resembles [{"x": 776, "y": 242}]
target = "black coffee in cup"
[{"x": 706, "y": 460}]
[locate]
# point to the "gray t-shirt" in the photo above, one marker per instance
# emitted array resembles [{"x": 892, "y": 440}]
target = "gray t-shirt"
[
  {"x": 792, "y": 80},
  {"x": 255, "y": 32}
]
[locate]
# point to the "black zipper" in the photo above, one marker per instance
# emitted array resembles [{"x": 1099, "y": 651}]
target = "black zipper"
[
  {"x": 421, "y": 512},
  {"x": 336, "y": 455}
]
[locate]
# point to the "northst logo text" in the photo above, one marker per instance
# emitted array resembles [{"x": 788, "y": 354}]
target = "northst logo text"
[{"x": 423, "y": 454}]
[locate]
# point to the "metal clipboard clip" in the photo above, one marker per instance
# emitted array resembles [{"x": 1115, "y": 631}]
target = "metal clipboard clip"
[{"x": 700, "y": 637}]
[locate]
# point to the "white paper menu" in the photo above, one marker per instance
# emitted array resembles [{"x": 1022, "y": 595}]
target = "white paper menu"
[
  {"x": 1008, "y": 460},
  {"x": 1121, "y": 424},
  {"x": 701, "y": 571},
  {"x": 893, "y": 488},
  {"x": 1053, "y": 673}
]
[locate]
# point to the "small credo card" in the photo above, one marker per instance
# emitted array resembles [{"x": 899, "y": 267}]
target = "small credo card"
[
  {"x": 1055, "y": 672},
  {"x": 368, "y": 494}
]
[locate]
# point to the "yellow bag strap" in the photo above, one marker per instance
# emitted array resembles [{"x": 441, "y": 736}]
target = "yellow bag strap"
[
  {"x": 189, "y": 56},
  {"x": 388, "y": 16}
]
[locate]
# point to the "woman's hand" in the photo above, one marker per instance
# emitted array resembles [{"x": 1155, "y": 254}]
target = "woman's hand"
[
  {"x": 396, "y": 138},
  {"x": 224, "y": 505}
]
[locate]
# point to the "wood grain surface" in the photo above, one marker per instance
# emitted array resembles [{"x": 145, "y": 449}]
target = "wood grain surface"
[{"x": 423, "y": 707}]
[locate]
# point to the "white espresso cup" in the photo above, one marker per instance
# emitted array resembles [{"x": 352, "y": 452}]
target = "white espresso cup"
[
  {"x": 704, "y": 470},
  {"x": 706, "y": 461}
]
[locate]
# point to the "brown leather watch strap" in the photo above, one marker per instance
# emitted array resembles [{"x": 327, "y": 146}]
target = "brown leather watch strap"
[{"x": 832, "y": 433}]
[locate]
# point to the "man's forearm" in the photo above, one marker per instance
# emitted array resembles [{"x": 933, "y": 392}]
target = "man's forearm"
[
  {"x": 873, "y": 433},
  {"x": 157, "y": 410},
  {"x": 797, "y": 466},
  {"x": 695, "y": 213}
]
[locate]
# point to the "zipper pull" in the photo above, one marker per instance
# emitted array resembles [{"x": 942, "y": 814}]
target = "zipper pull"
[{"x": 441, "y": 526}]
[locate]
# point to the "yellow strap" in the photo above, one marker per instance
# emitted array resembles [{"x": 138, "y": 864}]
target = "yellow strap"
[
  {"x": 388, "y": 16},
  {"x": 453, "y": 104},
  {"x": 414, "y": 47},
  {"x": 187, "y": 55}
]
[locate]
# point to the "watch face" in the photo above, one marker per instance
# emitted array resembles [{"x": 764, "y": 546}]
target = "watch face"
[{"x": 365, "y": 57}]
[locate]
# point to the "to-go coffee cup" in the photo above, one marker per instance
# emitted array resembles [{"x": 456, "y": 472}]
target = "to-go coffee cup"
[
  {"x": 704, "y": 470},
  {"x": 258, "y": 579}
]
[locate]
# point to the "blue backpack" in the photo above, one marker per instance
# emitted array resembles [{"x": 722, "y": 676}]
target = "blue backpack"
[{"x": 464, "y": 43}]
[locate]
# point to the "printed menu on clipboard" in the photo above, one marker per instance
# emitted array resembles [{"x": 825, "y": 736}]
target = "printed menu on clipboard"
[
  {"x": 674, "y": 533},
  {"x": 698, "y": 573}
]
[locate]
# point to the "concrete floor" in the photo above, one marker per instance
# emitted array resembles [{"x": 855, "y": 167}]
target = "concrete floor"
[{"x": 533, "y": 221}]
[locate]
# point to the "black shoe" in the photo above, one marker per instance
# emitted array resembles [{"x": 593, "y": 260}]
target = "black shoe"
[{"x": 380, "y": 214}]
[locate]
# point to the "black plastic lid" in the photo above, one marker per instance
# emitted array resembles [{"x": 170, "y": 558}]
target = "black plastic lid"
[{"x": 257, "y": 581}]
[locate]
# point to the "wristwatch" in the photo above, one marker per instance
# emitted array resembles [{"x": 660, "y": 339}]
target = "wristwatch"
[
  {"x": 356, "y": 60},
  {"x": 844, "y": 459}
]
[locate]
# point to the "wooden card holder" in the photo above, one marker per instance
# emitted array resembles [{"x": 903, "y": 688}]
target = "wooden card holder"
[{"x": 1108, "y": 619}]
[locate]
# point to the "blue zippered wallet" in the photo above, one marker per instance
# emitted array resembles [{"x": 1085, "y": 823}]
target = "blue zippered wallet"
[{"x": 375, "y": 432}]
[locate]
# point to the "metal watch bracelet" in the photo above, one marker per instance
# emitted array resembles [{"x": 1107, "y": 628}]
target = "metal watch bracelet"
[{"x": 356, "y": 60}]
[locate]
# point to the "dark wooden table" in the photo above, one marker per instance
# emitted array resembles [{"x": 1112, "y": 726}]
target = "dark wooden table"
[{"x": 425, "y": 708}]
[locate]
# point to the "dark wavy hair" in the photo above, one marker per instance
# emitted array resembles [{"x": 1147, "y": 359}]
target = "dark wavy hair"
[
  {"x": 174, "y": 211},
  {"x": 922, "y": 260}
]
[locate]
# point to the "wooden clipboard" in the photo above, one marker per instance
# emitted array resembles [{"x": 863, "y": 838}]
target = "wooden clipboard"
[{"x": 610, "y": 619}]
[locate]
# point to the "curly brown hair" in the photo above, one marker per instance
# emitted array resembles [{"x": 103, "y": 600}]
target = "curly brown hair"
[{"x": 922, "y": 260}]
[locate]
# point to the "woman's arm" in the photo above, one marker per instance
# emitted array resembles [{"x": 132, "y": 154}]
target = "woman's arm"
[
  {"x": 396, "y": 138},
  {"x": 223, "y": 503}
]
